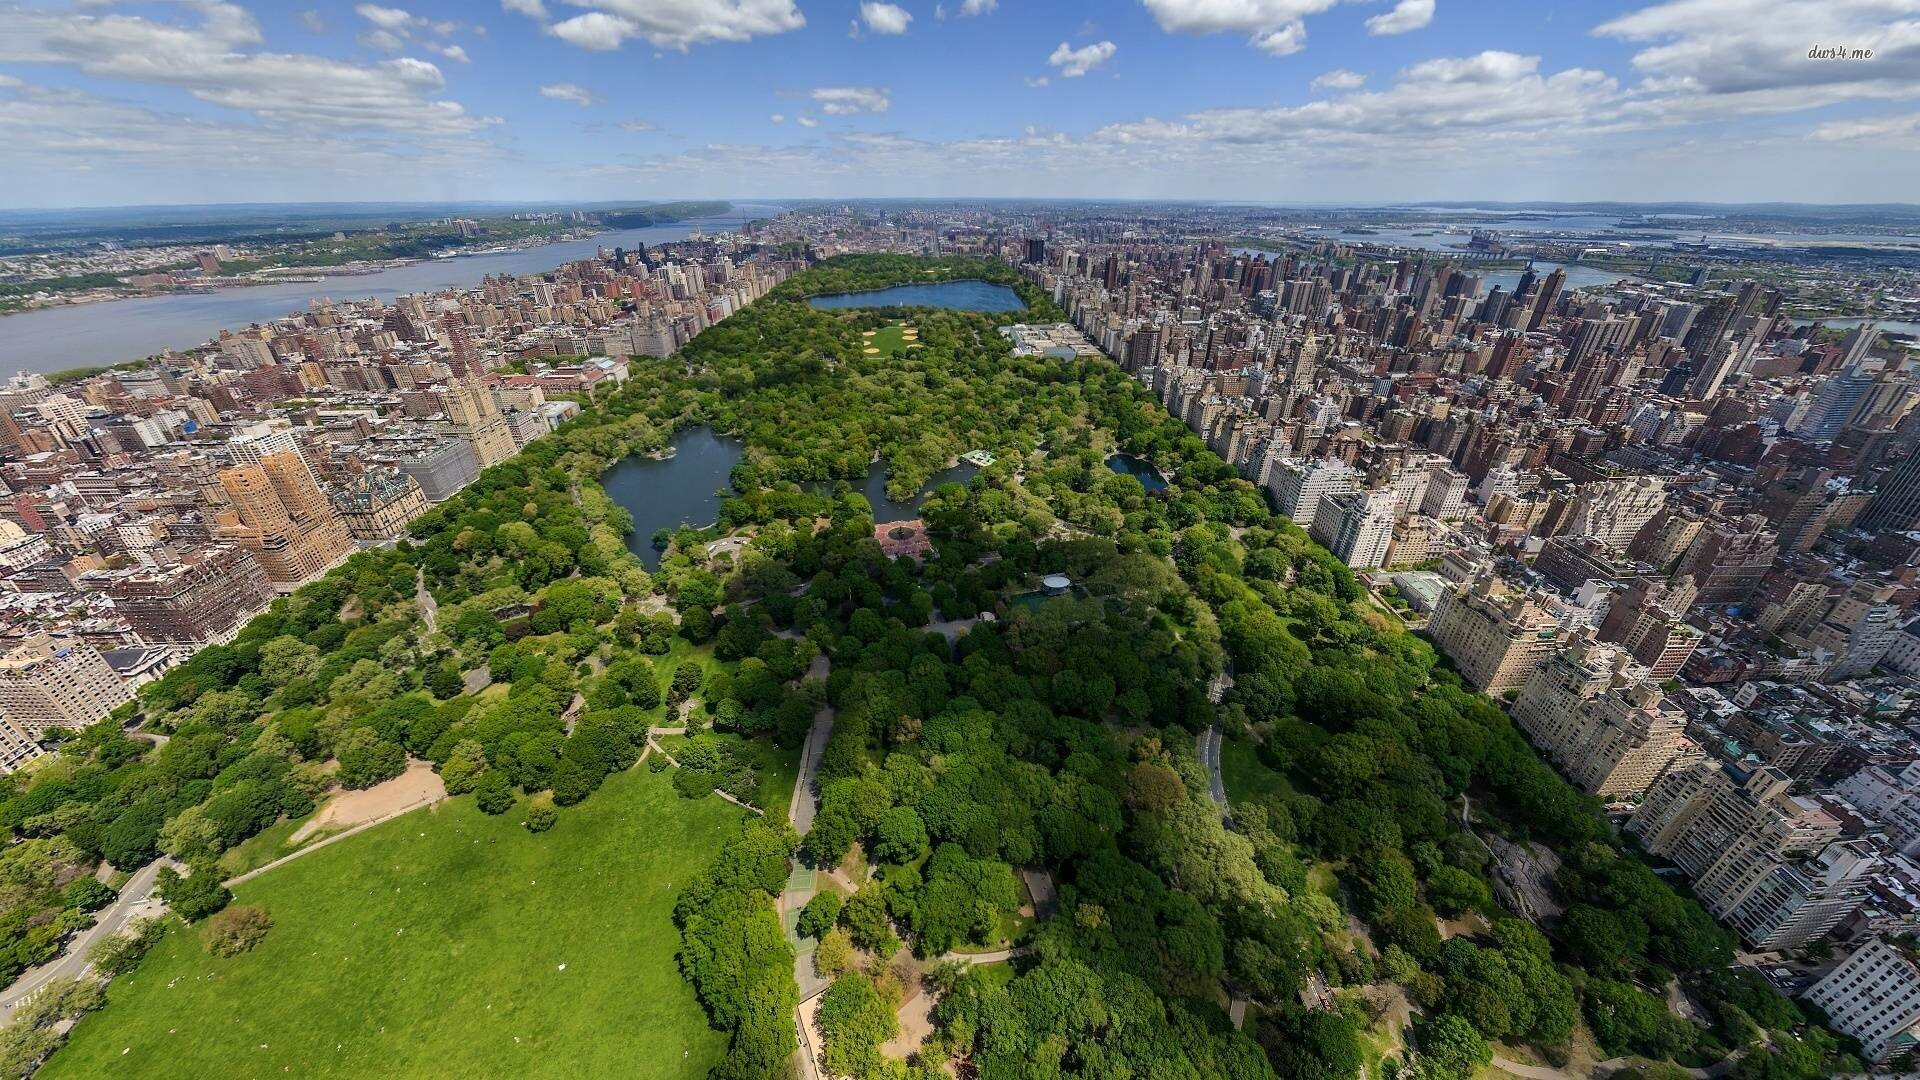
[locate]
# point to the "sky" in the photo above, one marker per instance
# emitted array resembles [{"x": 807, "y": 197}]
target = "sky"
[{"x": 1288, "y": 101}]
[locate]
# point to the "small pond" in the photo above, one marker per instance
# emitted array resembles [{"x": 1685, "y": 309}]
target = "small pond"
[
  {"x": 955, "y": 295},
  {"x": 668, "y": 492},
  {"x": 1138, "y": 468},
  {"x": 885, "y": 509}
]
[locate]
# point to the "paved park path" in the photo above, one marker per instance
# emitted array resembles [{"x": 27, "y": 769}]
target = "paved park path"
[{"x": 382, "y": 819}]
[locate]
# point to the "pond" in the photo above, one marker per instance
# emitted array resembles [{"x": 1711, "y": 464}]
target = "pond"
[
  {"x": 885, "y": 509},
  {"x": 1139, "y": 469},
  {"x": 968, "y": 295},
  {"x": 668, "y": 492}
]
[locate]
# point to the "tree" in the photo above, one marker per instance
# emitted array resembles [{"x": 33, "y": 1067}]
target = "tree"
[
  {"x": 1312, "y": 1044},
  {"x": 541, "y": 815},
  {"x": 834, "y": 954},
  {"x": 1450, "y": 1049},
  {"x": 87, "y": 894},
  {"x": 195, "y": 896},
  {"x": 494, "y": 793},
  {"x": 367, "y": 759},
  {"x": 235, "y": 930},
  {"x": 287, "y": 658},
  {"x": 133, "y": 839},
  {"x": 1453, "y": 891},
  {"x": 820, "y": 914},
  {"x": 1152, "y": 787},
  {"x": 855, "y": 1019},
  {"x": 899, "y": 837},
  {"x": 118, "y": 954},
  {"x": 464, "y": 767}
]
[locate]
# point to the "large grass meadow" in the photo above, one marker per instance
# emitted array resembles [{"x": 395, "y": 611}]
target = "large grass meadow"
[{"x": 445, "y": 943}]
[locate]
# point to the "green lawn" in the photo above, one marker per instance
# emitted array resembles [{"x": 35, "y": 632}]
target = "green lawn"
[
  {"x": 779, "y": 769},
  {"x": 271, "y": 843},
  {"x": 443, "y": 944},
  {"x": 889, "y": 339},
  {"x": 1246, "y": 777}
]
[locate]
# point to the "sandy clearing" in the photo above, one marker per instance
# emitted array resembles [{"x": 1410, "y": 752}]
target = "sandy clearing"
[{"x": 418, "y": 784}]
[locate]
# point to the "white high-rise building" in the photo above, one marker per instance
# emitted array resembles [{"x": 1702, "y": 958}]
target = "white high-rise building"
[
  {"x": 1892, "y": 799},
  {"x": 1446, "y": 498},
  {"x": 1874, "y": 996},
  {"x": 1356, "y": 526},
  {"x": 1298, "y": 486}
]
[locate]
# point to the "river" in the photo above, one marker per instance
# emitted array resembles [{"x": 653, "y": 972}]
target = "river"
[{"x": 112, "y": 332}]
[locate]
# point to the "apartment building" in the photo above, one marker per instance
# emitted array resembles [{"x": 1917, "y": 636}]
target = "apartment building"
[
  {"x": 1764, "y": 860},
  {"x": 57, "y": 682},
  {"x": 1590, "y": 709},
  {"x": 1874, "y": 996},
  {"x": 1496, "y": 636}
]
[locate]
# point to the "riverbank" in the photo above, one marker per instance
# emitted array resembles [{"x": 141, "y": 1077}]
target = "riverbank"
[{"x": 56, "y": 338}]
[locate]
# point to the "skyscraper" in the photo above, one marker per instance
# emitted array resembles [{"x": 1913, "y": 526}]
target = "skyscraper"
[
  {"x": 1834, "y": 405},
  {"x": 1896, "y": 505}
]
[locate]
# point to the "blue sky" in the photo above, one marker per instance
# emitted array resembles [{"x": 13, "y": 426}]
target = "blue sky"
[{"x": 103, "y": 102}]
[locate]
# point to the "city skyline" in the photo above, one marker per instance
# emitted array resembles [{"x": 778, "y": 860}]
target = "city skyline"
[{"x": 1299, "y": 101}]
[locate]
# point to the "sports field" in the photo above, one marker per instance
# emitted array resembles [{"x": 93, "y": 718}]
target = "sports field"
[
  {"x": 445, "y": 943},
  {"x": 890, "y": 339}
]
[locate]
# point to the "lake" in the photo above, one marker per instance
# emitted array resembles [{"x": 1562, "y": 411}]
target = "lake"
[
  {"x": 113, "y": 332},
  {"x": 666, "y": 493},
  {"x": 957, "y": 295},
  {"x": 885, "y": 509},
  {"x": 1139, "y": 469}
]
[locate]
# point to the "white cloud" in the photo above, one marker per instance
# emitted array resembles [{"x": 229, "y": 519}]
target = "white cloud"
[
  {"x": 596, "y": 30},
  {"x": 386, "y": 18},
  {"x": 1902, "y": 131},
  {"x": 666, "y": 24},
  {"x": 1339, "y": 79},
  {"x": 1281, "y": 40},
  {"x": 979, "y": 7},
  {"x": 384, "y": 40},
  {"x": 809, "y": 122},
  {"x": 883, "y": 18},
  {"x": 1074, "y": 63},
  {"x": 1406, "y": 16},
  {"x": 1037, "y": 81},
  {"x": 851, "y": 100},
  {"x": 56, "y": 137},
  {"x": 1442, "y": 109},
  {"x": 456, "y": 53},
  {"x": 636, "y": 126},
  {"x": 1707, "y": 58},
  {"x": 313, "y": 21},
  {"x": 1277, "y": 27},
  {"x": 579, "y": 95},
  {"x": 219, "y": 60}
]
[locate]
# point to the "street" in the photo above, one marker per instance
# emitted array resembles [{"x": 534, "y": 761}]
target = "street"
[{"x": 134, "y": 902}]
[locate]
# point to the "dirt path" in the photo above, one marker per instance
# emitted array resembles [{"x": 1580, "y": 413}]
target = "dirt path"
[
  {"x": 417, "y": 786},
  {"x": 916, "y": 1023}
]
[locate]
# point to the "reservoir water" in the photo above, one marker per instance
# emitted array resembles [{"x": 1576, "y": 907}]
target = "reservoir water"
[
  {"x": 959, "y": 295},
  {"x": 666, "y": 493},
  {"x": 1139, "y": 469},
  {"x": 113, "y": 332}
]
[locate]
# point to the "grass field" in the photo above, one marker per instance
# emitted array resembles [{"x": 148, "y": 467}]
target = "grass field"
[
  {"x": 1245, "y": 775},
  {"x": 889, "y": 339},
  {"x": 442, "y": 944},
  {"x": 262, "y": 848}
]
